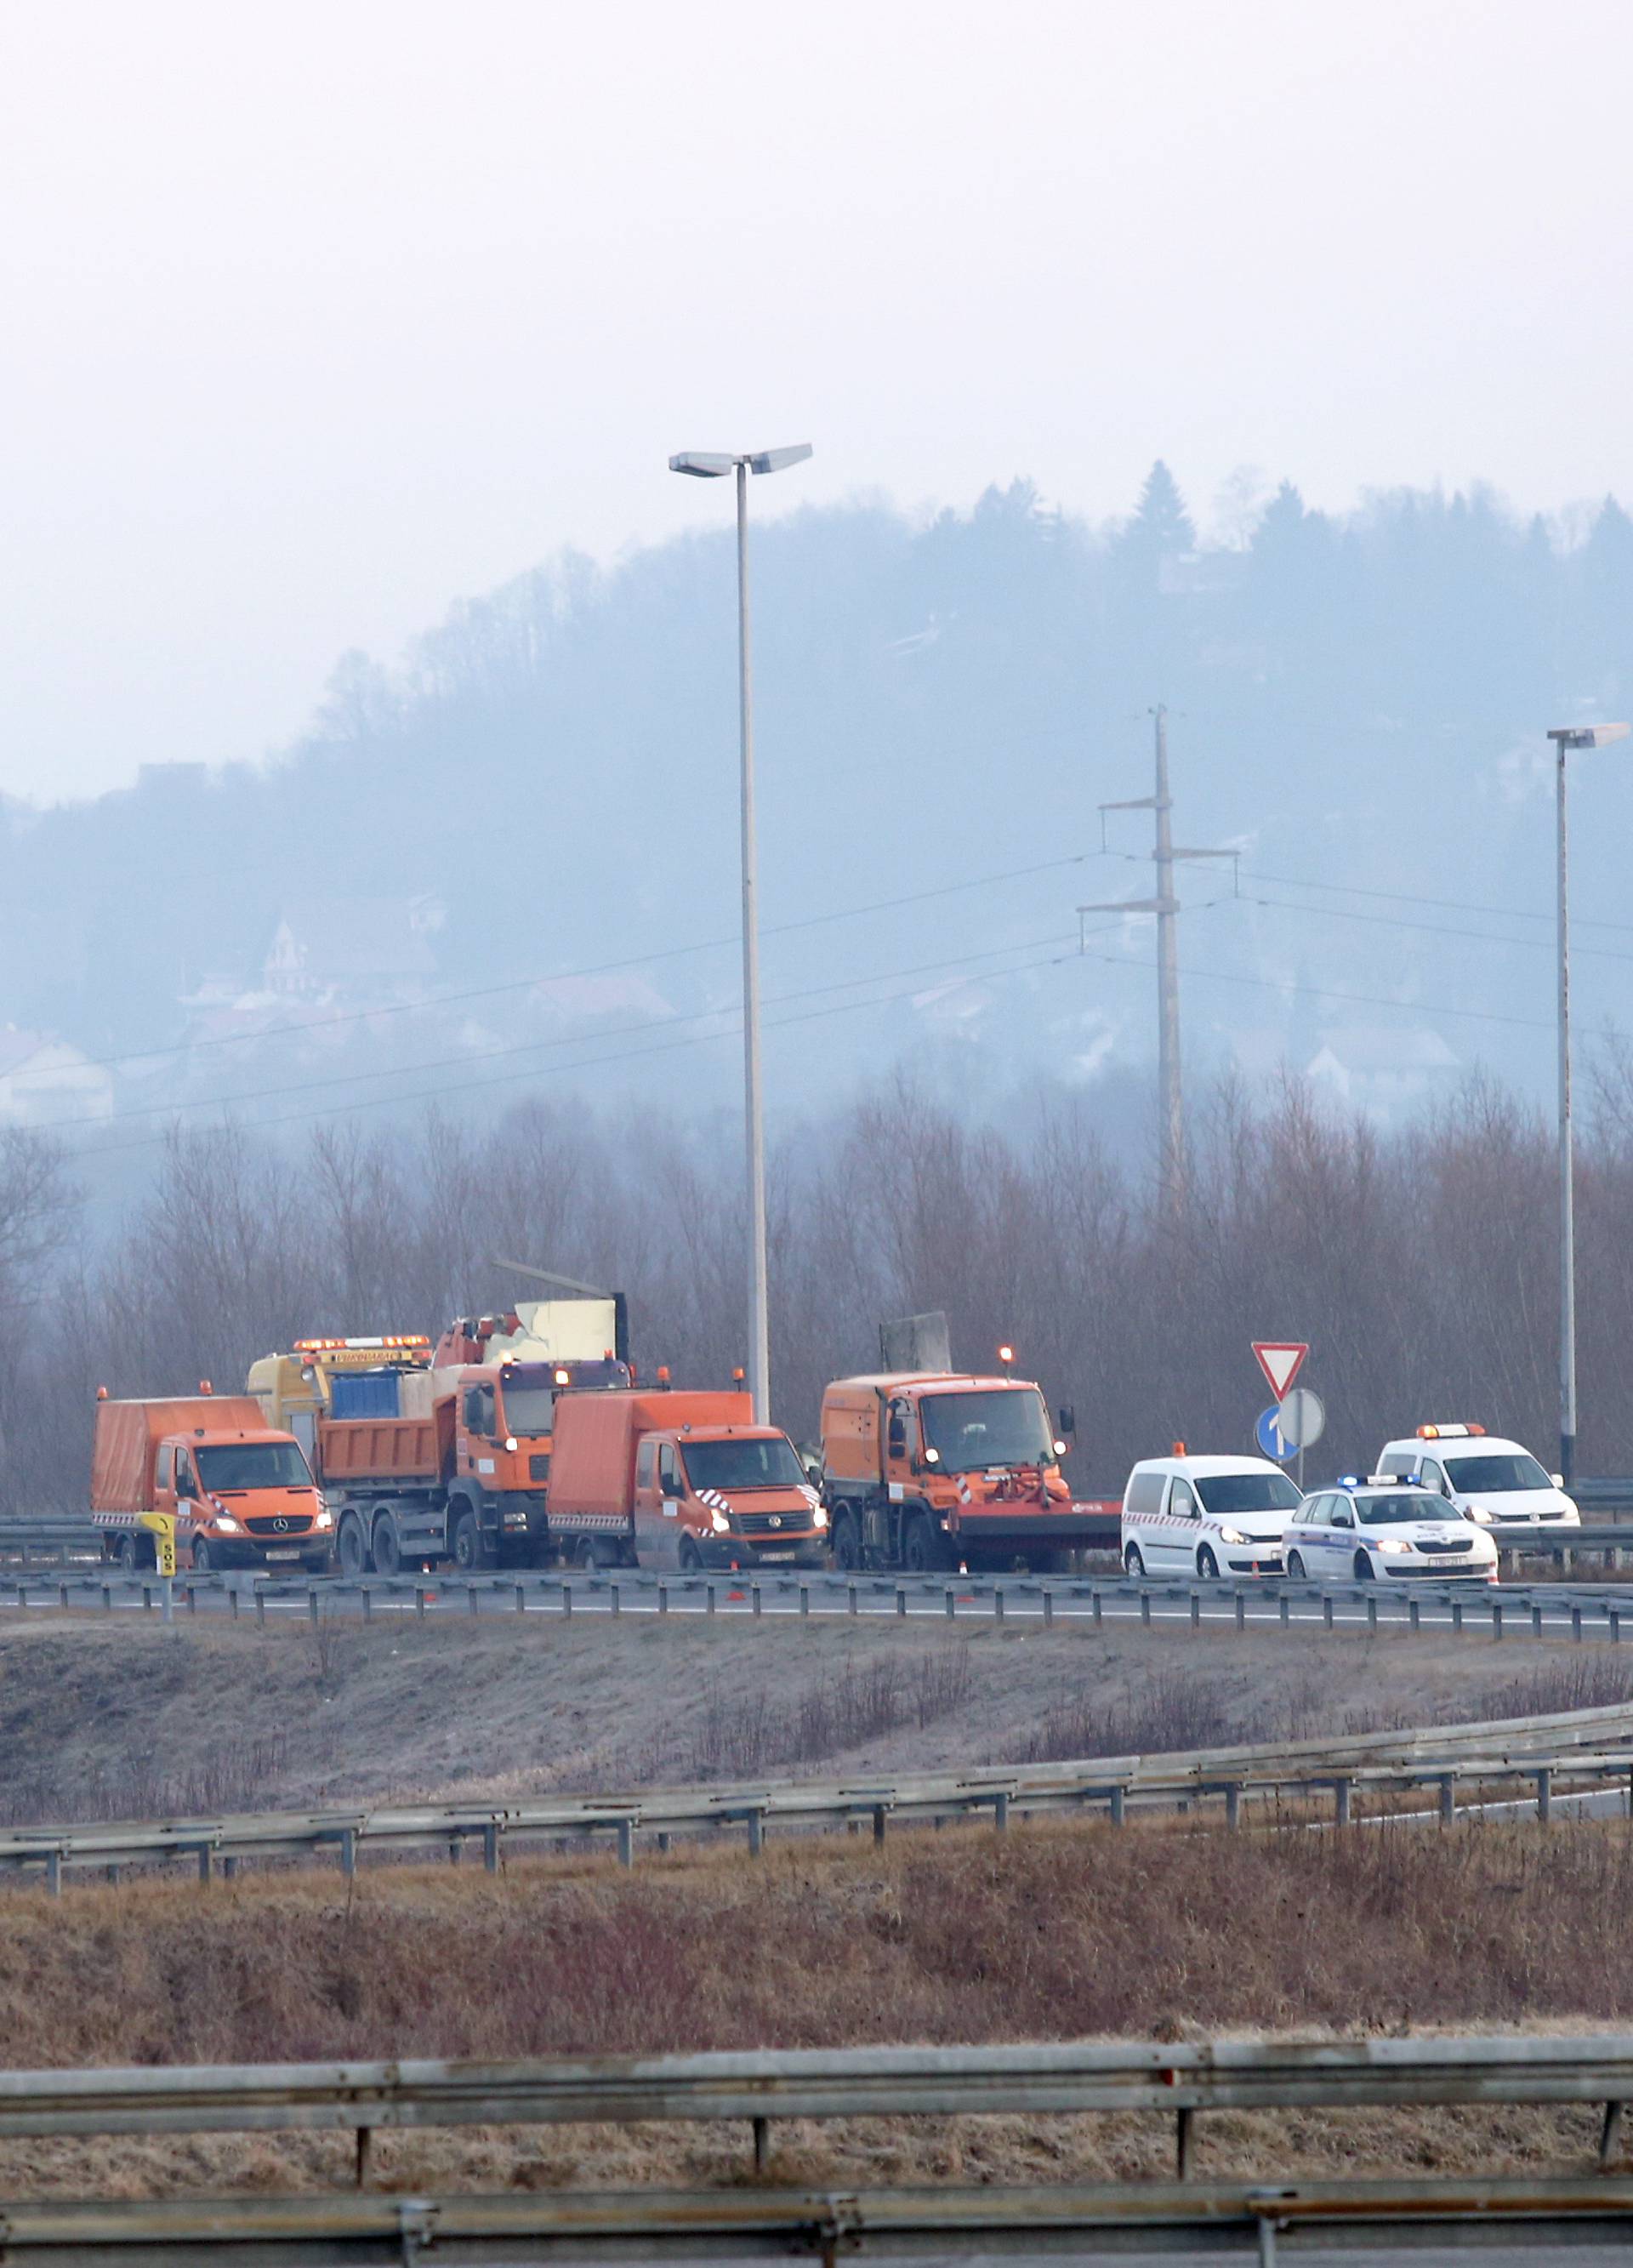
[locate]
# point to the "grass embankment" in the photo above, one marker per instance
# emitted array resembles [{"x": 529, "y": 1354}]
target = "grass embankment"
[{"x": 1052, "y": 1932}]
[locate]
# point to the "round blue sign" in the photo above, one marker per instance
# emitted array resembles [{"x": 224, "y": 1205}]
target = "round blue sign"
[{"x": 1272, "y": 1442}]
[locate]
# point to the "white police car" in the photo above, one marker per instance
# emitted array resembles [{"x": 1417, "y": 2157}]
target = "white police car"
[
  {"x": 1486, "y": 1478},
  {"x": 1386, "y": 1527}
]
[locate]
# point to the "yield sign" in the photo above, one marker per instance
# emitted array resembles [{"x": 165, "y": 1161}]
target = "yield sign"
[{"x": 1280, "y": 1360}]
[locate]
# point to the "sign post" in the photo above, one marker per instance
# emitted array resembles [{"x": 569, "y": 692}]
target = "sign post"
[{"x": 164, "y": 1527}]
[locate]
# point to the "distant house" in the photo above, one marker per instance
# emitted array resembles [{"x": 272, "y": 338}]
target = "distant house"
[
  {"x": 43, "y": 1079},
  {"x": 373, "y": 949}
]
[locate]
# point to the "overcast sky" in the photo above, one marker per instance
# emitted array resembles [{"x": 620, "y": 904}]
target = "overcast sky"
[{"x": 317, "y": 317}]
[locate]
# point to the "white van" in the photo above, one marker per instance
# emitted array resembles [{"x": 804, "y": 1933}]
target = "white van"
[
  {"x": 1206, "y": 1516},
  {"x": 1488, "y": 1480}
]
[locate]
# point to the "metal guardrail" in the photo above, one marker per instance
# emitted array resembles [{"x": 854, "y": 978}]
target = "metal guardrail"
[
  {"x": 1168, "y": 2219},
  {"x": 1591, "y": 1746}
]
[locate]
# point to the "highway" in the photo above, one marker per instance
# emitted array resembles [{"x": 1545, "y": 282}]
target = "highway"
[{"x": 1559, "y": 1610}]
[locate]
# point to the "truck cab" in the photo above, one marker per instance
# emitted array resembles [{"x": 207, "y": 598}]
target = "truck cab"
[
  {"x": 239, "y": 1491},
  {"x": 731, "y": 1497},
  {"x": 939, "y": 1469}
]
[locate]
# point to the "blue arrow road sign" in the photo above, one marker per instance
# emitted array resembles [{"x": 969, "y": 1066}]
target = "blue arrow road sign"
[{"x": 1272, "y": 1442}]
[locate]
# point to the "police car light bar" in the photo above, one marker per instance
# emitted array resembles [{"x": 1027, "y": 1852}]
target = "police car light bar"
[{"x": 1447, "y": 1433}]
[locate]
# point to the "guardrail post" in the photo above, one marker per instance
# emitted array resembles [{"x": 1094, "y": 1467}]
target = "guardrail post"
[
  {"x": 1327, "y": 1610},
  {"x": 1372, "y": 1611},
  {"x": 1232, "y": 1807},
  {"x": 1145, "y": 1607},
  {"x": 230, "y": 1868},
  {"x": 567, "y": 1603},
  {"x": 1241, "y": 1610},
  {"x": 1119, "y": 1806},
  {"x": 626, "y": 1842},
  {"x": 850, "y": 1599},
  {"x": 1497, "y": 1618},
  {"x": 1283, "y": 1615},
  {"x": 756, "y": 1834},
  {"x": 1048, "y": 1607},
  {"x": 1097, "y": 1606},
  {"x": 206, "y": 1862},
  {"x": 952, "y": 1604},
  {"x": 1182, "y": 2144},
  {"x": 1545, "y": 1794},
  {"x": 62, "y": 1596},
  {"x": 1610, "y": 2133},
  {"x": 1457, "y": 1615},
  {"x": 708, "y": 1599},
  {"x": 805, "y": 1598},
  {"x": 1342, "y": 1791},
  {"x": 471, "y": 1606},
  {"x": 997, "y": 1603},
  {"x": 762, "y": 2144},
  {"x": 521, "y": 1598},
  {"x": 1536, "y": 1622},
  {"x": 365, "y": 2144},
  {"x": 147, "y": 1598},
  {"x": 754, "y": 1597},
  {"x": 54, "y": 1873},
  {"x": 192, "y": 1599},
  {"x": 1195, "y": 1610},
  {"x": 349, "y": 1850},
  {"x": 1000, "y": 1810},
  {"x": 232, "y": 1603},
  {"x": 1448, "y": 1798},
  {"x": 613, "y": 1597},
  {"x": 261, "y": 1610},
  {"x": 662, "y": 1599},
  {"x": 491, "y": 1845},
  {"x": 1613, "y": 1616},
  {"x": 881, "y": 1813},
  {"x": 1575, "y": 1622},
  {"x": 902, "y": 1599},
  {"x": 107, "y": 1597},
  {"x": 419, "y": 1600}
]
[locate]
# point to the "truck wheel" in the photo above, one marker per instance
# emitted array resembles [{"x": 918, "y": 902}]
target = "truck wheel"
[
  {"x": 125, "y": 1554},
  {"x": 1207, "y": 1566},
  {"x": 203, "y": 1559},
  {"x": 1134, "y": 1563},
  {"x": 354, "y": 1551},
  {"x": 847, "y": 1541},
  {"x": 691, "y": 1558},
  {"x": 922, "y": 1550},
  {"x": 388, "y": 1550},
  {"x": 468, "y": 1556}
]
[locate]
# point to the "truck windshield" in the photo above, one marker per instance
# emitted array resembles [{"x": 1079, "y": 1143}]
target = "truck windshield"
[
  {"x": 742, "y": 1464},
  {"x": 1496, "y": 1475},
  {"x": 252, "y": 1465},
  {"x": 1001, "y": 1426},
  {"x": 1230, "y": 1492},
  {"x": 527, "y": 1391}
]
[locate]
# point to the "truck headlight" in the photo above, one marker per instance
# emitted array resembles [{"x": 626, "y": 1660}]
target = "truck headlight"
[
  {"x": 819, "y": 1517},
  {"x": 225, "y": 1522},
  {"x": 324, "y": 1519},
  {"x": 1232, "y": 1535},
  {"x": 722, "y": 1525}
]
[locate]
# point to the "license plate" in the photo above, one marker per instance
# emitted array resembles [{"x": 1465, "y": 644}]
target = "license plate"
[
  {"x": 1449, "y": 1562},
  {"x": 775, "y": 1555},
  {"x": 283, "y": 1555}
]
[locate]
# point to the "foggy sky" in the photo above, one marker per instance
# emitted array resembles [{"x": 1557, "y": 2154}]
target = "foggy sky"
[{"x": 318, "y": 317}]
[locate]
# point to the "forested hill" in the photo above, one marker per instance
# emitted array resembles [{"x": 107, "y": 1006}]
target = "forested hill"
[{"x": 1357, "y": 702}]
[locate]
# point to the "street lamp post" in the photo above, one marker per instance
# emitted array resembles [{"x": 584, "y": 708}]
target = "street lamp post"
[
  {"x": 1566, "y": 738},
  {"x": 710, "y": 465}
]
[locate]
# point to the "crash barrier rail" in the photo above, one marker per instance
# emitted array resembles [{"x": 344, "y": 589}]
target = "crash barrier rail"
[
  {"x": 1591, "y": 1746},
  {"x": 1179, "y": 2080},
  {"x": 1592, "y": 1610},
  {"x": 1162, "y": 2219}
]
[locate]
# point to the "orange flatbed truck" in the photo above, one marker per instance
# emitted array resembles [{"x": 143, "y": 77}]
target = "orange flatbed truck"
[
  {"x": 240, "y": 1491},
  {"x": 424, "y": 1462},
  {"x": 935, "y": 1470},
  {"x": 678, "y": 1479}
]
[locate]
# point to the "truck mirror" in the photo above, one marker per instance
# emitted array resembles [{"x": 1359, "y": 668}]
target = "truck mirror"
[{"x": 1068, "y": 1417}]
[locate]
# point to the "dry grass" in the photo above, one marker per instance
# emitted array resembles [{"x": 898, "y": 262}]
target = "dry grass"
[{"x": 1050, "y": 1932}]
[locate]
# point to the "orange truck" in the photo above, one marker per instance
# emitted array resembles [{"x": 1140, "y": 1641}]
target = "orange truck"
[
  {"x": 932, "y": 1470},
  {"x": 425, "y": 1459},
  {"x": 240, "y": 1491},
  {"x": 679, "y": 1480}
]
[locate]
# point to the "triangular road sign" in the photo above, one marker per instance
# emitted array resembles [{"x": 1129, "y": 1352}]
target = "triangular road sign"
[{"x": 1280, "y": 1360}]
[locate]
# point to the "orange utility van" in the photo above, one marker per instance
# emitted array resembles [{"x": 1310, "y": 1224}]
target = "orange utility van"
[
  {"x": 679, "y": 1480},
  {"x": 928, "y": 1469},
  {"x": 240, "y": 1491}
]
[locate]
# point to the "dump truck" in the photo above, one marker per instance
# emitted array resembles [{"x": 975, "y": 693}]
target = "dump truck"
[
  {"x": 933, "y": 1468},
  {"x": 678, "y": 1479},
  {"x": 240, "y": 1490},
  {"x": 424, "y": 1459}
]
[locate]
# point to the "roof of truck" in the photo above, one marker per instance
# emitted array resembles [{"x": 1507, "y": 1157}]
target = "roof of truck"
[{"x": 937, "y": 1381}]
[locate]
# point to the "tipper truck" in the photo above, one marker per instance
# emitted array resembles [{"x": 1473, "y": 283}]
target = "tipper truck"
[
  {"x": 424, "y": 1459},
  {"x": 679, "y": 1480},
  {"x": 240, "y": 1491},
  {"x": 933, "y": 1468}
]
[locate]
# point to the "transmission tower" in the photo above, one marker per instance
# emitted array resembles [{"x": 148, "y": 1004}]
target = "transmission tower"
[{"x": 1171, "y": 1158}]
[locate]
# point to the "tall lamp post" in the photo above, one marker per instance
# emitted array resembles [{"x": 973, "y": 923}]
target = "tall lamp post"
[
  {"x": 711, "y": 466},
  {"x": 1566, "y": 739}
]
